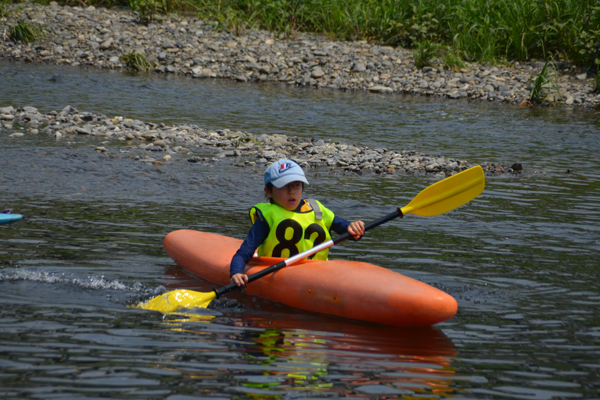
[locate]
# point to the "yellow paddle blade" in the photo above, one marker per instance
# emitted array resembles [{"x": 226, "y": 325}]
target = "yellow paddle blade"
[
  {"x": 178, "y": 299},
  {"x": 447, "y": 194}
]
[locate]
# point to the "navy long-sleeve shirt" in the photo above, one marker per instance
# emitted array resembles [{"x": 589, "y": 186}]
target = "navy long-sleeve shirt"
[{"x": 258, "y": 234}]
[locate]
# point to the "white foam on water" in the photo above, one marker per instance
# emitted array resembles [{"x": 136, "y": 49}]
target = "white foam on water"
[{"x": 91, "y": 282}]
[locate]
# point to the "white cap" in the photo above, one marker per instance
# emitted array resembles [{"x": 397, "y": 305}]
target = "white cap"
[{"x": 283, "y": 172}]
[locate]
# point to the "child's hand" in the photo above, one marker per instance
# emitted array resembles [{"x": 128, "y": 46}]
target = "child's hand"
[
  {"x": 356, "y": 229},
  {"x": 239, "y": 279}
]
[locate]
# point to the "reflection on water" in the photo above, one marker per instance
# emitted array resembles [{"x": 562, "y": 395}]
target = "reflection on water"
[
  {"x": 520, "y": 259},
  {"x": 89, "y": 344},
  {"x": 278, "y": 353}
]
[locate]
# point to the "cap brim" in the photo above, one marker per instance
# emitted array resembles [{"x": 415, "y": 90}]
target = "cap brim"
[{"x": 284, "y": 180}]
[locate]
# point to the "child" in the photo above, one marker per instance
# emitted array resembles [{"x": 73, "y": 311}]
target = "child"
[{"x": 288, "y": 225}]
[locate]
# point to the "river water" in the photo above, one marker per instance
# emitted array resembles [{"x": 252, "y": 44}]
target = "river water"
[{"x": 521, "y": 259}]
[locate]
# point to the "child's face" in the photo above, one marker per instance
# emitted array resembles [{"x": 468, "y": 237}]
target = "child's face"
[{"x": 288, "y": 196}]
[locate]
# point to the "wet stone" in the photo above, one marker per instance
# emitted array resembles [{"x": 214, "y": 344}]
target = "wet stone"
[{"x": 253, "y": 150}]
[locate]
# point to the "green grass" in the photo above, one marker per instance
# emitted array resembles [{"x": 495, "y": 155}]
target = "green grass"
[
  {"x": 26, "y": 32},
  {"x": 138, "y": 61},
  {"x": 424, "y": 53},
  {"x": 452, "y": 60},
  {"x": 477, "y": 30},
  {"x": 481, "y": 30},
  {"x": 147, "y": 10},
  {"x": 544, "y": 84},
  {"x": 4, "y": 10}
]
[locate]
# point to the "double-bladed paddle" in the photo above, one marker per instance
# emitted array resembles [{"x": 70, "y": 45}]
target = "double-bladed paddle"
[{"x": 436, "y": 199}]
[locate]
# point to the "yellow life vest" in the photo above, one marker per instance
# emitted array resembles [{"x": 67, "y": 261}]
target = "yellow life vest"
[{"x": 293, "y": 232}]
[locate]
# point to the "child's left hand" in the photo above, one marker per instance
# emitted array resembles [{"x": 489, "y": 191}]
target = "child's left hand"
[{"x": 356, "y": 229}]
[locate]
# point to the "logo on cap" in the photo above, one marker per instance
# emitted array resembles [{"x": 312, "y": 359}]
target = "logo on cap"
[{"x": 284, "y": 167}]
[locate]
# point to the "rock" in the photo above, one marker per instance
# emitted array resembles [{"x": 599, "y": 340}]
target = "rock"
[
  {"x": 261, "y": 149},
  {"x": 432, "y": 167},
  {"x": 69, "y": 110},
  {"x": 317, "y": 74},
  {"x": 106, "y": 44},
  {"x": 153, "y": 148},
  {"x": 517, "y": 167},
  {"x": 269, "y": 154},
  {"x": 525, "y": 104},
  {"x": 380, "y": 89},
  {"x": 358, "y": 67},
  {"x": 569, "y": 101}
]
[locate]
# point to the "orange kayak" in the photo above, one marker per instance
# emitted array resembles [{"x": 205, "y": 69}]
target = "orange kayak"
[{"x": 348, "y": 289}]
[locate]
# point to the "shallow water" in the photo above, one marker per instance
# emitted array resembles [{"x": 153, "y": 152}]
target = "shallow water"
[{"x": 521, "y": 259}]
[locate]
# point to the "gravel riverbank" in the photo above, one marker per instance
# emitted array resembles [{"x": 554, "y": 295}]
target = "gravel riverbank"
[
  {"x": 187, "y": 46},
  {"x": 161, "y": 144}
]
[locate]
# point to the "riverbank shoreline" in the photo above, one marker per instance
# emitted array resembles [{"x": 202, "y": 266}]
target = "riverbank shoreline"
[
  {"x": 99, "y": 37},
  {"x": 161, "y": 144}
]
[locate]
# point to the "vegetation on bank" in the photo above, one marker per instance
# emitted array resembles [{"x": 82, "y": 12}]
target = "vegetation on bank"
[
  {"x": 137, "y": 60},
  {"x": 26, "y": 32},
  {"x": 472, "y": 30}
]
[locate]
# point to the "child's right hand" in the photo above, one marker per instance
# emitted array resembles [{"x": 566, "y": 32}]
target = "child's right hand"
[
  {"x": 239, "y": 279},
  {"x": 356, "y": 229}
]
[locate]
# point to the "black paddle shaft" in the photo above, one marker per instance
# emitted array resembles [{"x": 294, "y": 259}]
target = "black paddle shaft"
[{"x": 344, "y": 236}]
